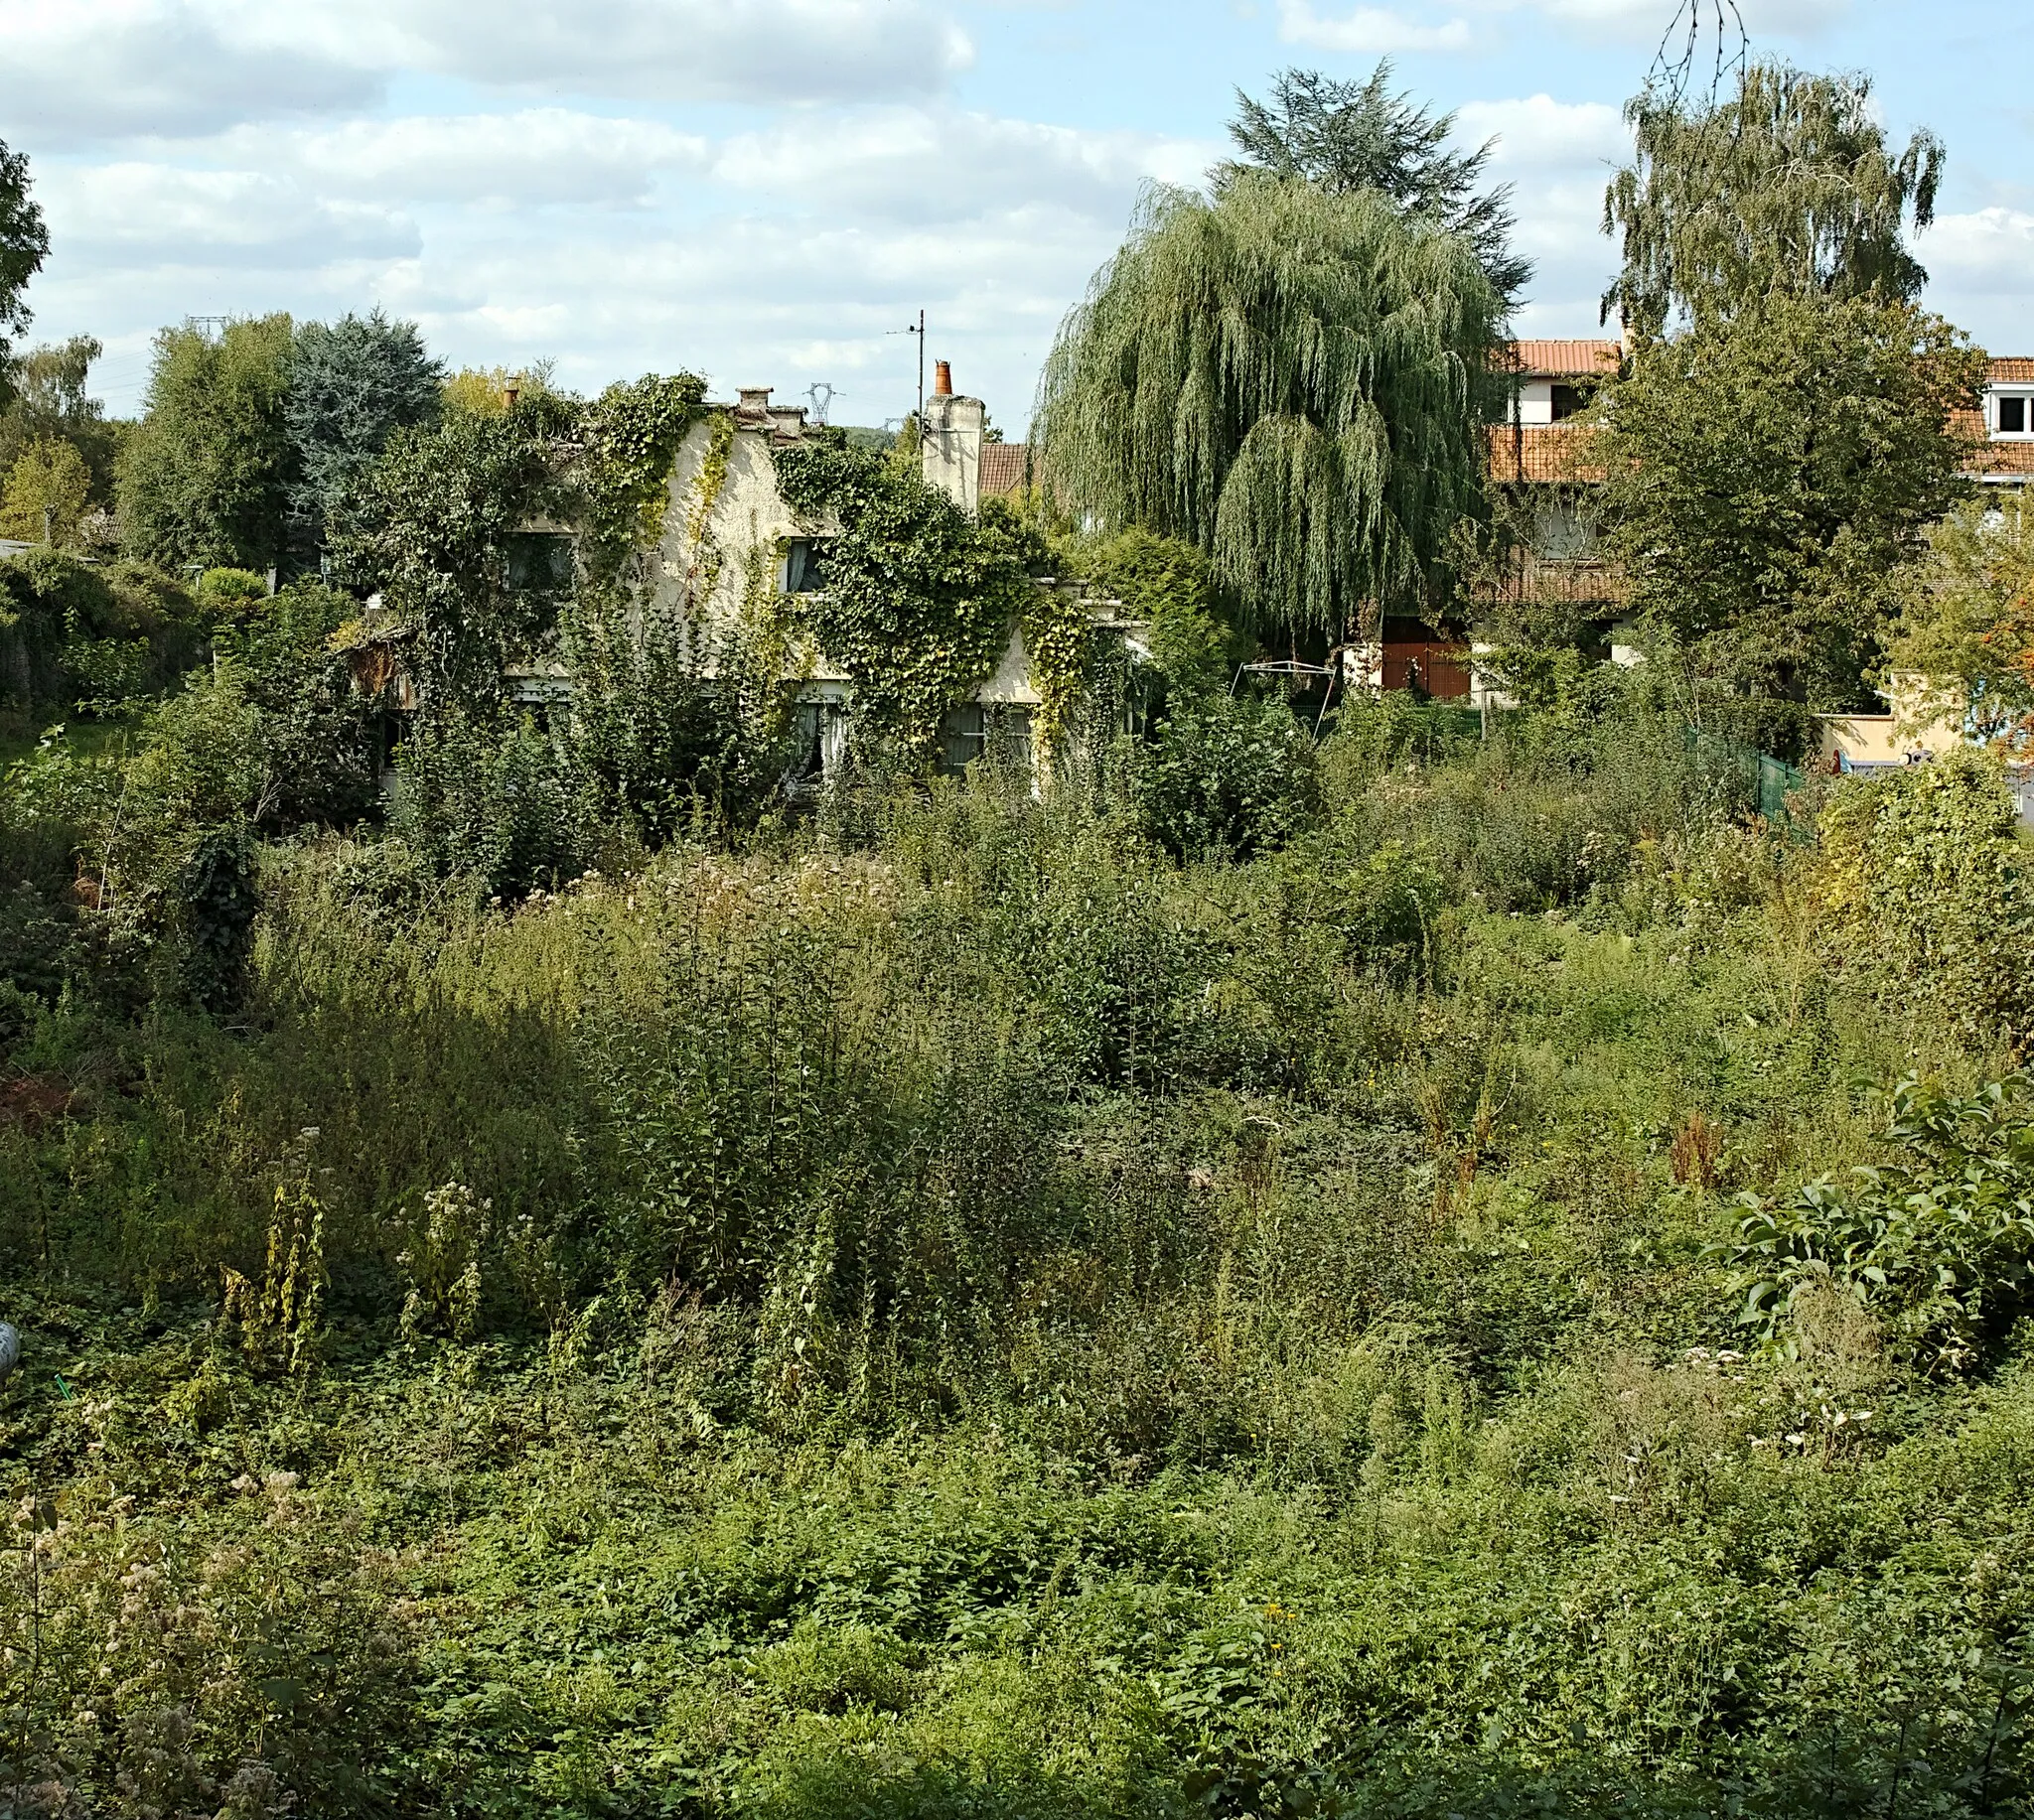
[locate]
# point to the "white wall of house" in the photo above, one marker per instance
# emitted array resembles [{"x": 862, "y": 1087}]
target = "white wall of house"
[
  {"x": 719, "y": 561},
  {"x": 1535, "y": 401}
]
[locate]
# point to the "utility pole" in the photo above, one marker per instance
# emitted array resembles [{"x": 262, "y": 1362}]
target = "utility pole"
[{"x": 920, "y": 331}]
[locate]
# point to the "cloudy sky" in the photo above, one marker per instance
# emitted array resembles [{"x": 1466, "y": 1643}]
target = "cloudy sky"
[{"x": 767, "y": 190}]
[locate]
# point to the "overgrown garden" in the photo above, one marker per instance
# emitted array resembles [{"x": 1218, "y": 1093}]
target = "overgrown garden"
[{"x": 1362, "y": 1261}]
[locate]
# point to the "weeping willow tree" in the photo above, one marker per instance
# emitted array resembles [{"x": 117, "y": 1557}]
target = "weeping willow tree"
[
  {"x": 1790, "y": 185},
  {"x": 1294, "y": 381}
]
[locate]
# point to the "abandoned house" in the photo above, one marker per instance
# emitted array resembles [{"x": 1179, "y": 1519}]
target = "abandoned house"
[{"x": 730, "y": 541}]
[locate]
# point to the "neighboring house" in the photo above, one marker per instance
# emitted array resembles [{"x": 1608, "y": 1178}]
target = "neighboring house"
[
  {"x": 1545, "y": 489},
  {"x": 2002, "y": 426},
  {"x": 1005, "y": 468}
]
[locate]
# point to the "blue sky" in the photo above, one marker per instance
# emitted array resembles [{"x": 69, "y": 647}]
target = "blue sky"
[{"x": 767, "y": 190}]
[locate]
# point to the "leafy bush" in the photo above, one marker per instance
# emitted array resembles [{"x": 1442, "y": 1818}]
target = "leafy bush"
[
  {"x": 1229, "y": 774},
  {"x": 72, "y": 631},
  {"x": 1938, "y": 1244},
  {"x": 1928, "y": 895},
  {"x": 492, "y": 802}
]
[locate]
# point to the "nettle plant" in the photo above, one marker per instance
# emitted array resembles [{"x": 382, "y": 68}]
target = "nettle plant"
[{"x": 1937, "y": 1245}]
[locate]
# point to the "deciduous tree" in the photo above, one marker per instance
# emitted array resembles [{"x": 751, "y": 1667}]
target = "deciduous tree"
[
  {"x": 1789, "y": 186},
  {"x": 50, "y": 400},
  {"x": 24, "y": 245},
  {"x": 430, "y": 525},
  {"x": 1968, "y": 619},
  {"x": 1769, "y": 475},
  {"x": 206, "y": 477},
  {"x": 46, "y": 492}
]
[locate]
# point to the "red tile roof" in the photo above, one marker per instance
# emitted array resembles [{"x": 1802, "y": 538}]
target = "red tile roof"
[
  {"x": 1005, "y": 466},
  {"x": 1541, "y": 452},
  {"x": 1584, "y": 359},
  {"x": 1997, "y": 459}
]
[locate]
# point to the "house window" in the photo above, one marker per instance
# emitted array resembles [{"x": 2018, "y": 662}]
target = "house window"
[
  {"x": 804, "y": 565},
  {"x": 2013, "y": 414},
  {"x": 972, "y": 731},
  {"x": 1564, "y": 531},
  {"x": 538, "y": 562},
  {"x": 1568, "y": 400}
]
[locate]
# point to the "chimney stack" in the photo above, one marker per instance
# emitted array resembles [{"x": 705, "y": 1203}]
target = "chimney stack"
[
  {"x": 942, "y": 379},
  {"x": 511, "y": 389}
]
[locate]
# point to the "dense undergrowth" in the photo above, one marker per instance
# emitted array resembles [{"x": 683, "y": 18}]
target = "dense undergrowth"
[{"x": 952, "y": 1308}]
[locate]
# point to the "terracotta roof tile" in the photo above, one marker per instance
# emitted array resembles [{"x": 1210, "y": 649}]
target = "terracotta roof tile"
[
  {"x": 1541, "y": 452},
  {"x": 1567, "y": 359},
  {"x": 2011, "y": 370},
  {"x": 1005, "y": 466}
]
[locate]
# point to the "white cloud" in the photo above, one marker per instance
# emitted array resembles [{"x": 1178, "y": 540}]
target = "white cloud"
[
  {"x": 689, "y": 50},
  {"x": 93, "y": 70},
  {"x": 96, "y": 71},
  {"x": 537, "y": 156},
  {"x": 919, "y": 165},
  {"x": 129, "y": 217},
  {"x": 1369, "y": 30},
  {"x": 1990, "y": 250},
  {"x": 1537, "y": 132}
]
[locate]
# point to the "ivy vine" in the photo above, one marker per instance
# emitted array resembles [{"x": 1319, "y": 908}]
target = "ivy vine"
[
  {"x": 1059, "y": 647},
  {"x": 920, "y": 598},
  {"x": 631, "y": 436}
]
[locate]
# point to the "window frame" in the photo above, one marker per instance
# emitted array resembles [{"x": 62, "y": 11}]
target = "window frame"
[{"x": 1998, "y": 395}]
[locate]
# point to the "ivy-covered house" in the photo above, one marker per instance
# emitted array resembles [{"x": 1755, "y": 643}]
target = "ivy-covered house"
[{"x": 808, "y": 564}]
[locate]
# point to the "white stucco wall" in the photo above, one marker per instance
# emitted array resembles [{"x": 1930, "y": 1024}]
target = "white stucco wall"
[{"x": 711, "y": 567}]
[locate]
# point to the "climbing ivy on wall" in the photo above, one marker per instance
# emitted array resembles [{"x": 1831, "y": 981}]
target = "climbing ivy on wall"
[
  {"x": 1058, "y": 644},
  {"x": 919, "y": 598},
  {"x": 631, "y": 436}
]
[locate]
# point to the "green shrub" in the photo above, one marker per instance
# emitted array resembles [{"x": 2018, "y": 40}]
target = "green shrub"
[
  {"x": 1225, "y": 775},
  {"x": 70, "y": 632},
  {"x": 1929, "y": 898},
  {"x": 1938, "y": 1244},
  {"x": 490, "y": 801}
]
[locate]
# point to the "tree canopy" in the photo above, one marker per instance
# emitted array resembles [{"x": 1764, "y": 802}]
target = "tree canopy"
[
  {"x": 24, "y": 245},
  {"x": 1790, "y": 185},
  {"x": 352, "y": 383},
  {"x": 1347, "y": 136},
  {"x": 1294, "y": 380},
  {"x": 432, "y": 525},
  {"x": 50, "y": 401},
  {"x": 1769, "y": 476},
  {"x": 206, "y": 475},
  {"x": 1968, "y": 619}
]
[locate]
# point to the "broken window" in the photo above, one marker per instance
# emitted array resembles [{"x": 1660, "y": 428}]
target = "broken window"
[
  {"x": 805, "y": 564},
  {"x": 819, "y": 744}
]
